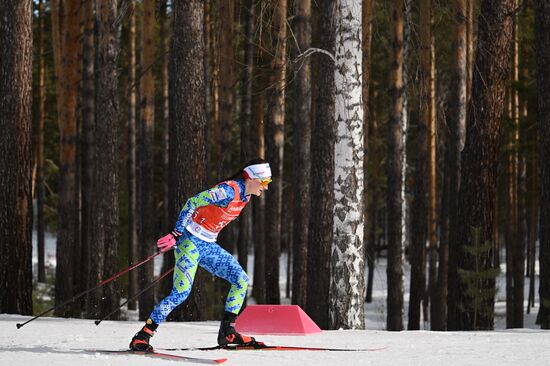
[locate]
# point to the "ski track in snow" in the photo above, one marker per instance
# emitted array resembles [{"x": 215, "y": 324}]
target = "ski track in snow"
[{"x": 55, "y": 341}]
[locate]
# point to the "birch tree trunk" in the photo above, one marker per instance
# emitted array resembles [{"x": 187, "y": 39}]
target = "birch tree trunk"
[
  {"x": 542, "y": 47},
  {"x": 395, "y": 153},
  {"x": 347, "y": 281},
  {"x": 322, "y": 174},
  {"x": 274, "y": 152},
  {"x": 302, "y": 153},
  {"x": 15, "y": 157}
]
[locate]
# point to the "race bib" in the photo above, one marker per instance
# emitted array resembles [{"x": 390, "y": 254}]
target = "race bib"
[{"x": 217, "y": 194}]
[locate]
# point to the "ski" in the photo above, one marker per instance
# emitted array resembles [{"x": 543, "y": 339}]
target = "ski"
[
  {"x": 161, "y": 355},
  {"x": 260, "y": 346}
]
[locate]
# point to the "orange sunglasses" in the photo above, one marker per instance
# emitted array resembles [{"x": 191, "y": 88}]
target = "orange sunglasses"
[{"x": 265, "y": 182}]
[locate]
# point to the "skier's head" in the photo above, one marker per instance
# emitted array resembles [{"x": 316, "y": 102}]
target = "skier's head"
[{"x": 256, "y": 174}]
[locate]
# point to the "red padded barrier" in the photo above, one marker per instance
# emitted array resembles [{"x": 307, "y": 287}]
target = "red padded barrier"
[{"x": 275, "y": 319}]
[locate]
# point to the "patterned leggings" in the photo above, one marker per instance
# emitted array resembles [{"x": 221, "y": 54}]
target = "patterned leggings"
[{"x": 192, "y": 252}]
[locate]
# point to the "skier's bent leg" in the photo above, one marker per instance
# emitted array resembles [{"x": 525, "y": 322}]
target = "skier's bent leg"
[
  {"x": 222, "y": 264},
  {"x": 184, "y": 273}
]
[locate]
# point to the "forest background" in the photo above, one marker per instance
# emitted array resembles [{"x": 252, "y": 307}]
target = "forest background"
[{"x": 416, "y": 131}]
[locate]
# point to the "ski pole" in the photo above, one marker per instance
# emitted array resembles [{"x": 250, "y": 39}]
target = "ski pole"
[
  {"x": 19, "y": 325},
  {"x": 97, "y": 322}
]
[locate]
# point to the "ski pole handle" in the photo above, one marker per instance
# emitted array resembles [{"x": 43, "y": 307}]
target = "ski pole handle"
[
  {"x": 152, "y": 284},
  {"x": 19, "y": 325}
]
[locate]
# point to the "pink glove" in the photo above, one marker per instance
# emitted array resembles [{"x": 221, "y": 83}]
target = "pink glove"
[{"x": 167, "y": 242}]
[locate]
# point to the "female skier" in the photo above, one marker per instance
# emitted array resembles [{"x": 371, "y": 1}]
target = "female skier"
[{"x": 194, "y": 237}]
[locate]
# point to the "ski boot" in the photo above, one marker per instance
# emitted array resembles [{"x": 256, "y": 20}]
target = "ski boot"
[
  {"x": 140, "y": 341},
  {"x": 229, "y": 336}
]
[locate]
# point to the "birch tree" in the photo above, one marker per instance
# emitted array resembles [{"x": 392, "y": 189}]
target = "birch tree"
[{"x": 348, "y": 264}]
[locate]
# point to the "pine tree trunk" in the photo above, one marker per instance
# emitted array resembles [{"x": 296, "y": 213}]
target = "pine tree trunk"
[
  {"x": 395, "y": 153},
  {"x": 15, "y": 157},
  {"x": 470, "y": 41},
  {"x": 67, "y": 238},
  {"x": 164, "y": 46},
  {"x": 366, "y": 22},
  {"x": 322, "y": 173},
  {"x": 187, "y": 119},
  {"x": 419, "y": 209},
  {"x": 227, "y": 83},
  {"x": 133, "y": 216},
  {"x": 258, "y": 207},
  {"x": 302, "y": 155},
  {"x": 167, "y": 221},
  {"x": 40, "y": 195},
  {"x": 542, "y": 47},
  {"x": 147, "y": 122},
  {"x": 106, "y": 214},
  {"x": 374, "y": 152},
  {"x": 405, "y": 227},
  {"x": 456, "y": 136},
  {"x": 87, "y": 141},
  {"x": 348, "y": 265},
  {"x": 275, "y": 123},
  {"x": 432, "y": 173},
  {"x": 516, "y": 243},
  {"x": 533, "y": 234},
  {"x": 476, "y": 209},
  {"x": 245, "y": 221}
]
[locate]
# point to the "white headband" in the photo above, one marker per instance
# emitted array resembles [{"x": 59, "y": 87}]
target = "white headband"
[{"x": 260, "y": 171}]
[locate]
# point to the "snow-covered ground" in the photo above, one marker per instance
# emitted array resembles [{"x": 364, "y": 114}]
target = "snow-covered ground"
[{"x": 64, "y": 341}]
